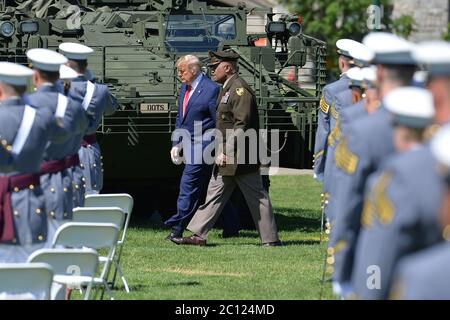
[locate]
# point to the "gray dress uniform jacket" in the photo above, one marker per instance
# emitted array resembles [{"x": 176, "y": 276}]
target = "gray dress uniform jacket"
[
  {"x": 75, "y": 171},
  {"x": 424, "y": 275},
  {"x": 57, "y": 186},
  {"x": 325, "y": 112},
  {"x": 28, "y": 204},
  {"x": 346, "y": 116},
  {"x": 400, "y": 217},
  {"x": 368, "y": 143},
  {"x": 342, "y": 101},
  {"x": 102, "y": 102}
]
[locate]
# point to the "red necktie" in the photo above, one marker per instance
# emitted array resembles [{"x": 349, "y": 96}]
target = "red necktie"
[{"x": 186, "y": 98}]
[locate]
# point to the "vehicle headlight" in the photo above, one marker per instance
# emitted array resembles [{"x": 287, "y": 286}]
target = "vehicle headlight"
[
  {"x": 7, "y": 29},
  {"x": 28, "y": 27},
  {"x": 294, "y": 28},
  {"x": 276, "y": 27}
]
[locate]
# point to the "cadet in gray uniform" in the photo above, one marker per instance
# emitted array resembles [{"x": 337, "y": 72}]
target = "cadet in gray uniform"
[
  {"x": 55, "y": 178},
  {"x": 424, "y": 275},
  {"x": 410, "y": 193},
  {"x": 24, "y": 133},
  {"x": 67, "y": 74},
  {"x": 342, "y": 102},
  {"x": 388, "y": 218},
  {"x": 348, "y": 115},
  {"x": 327, "y": 109},
  {"x": 363, "y": 150},
  {"x": 97, "y": 100}
]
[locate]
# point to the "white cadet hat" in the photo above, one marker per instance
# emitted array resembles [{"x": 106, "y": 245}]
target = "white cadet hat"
[
  {"x": 344, "y": 46},
  {"x": 45, "y": 59},
  {"x": 390, "y": 49},
  {"x": 370, "y": 76},
  {"x": 14, "y": 74},
  {"x": 410, "y": 106},
  {"x": 361, "y": 55},
  {"x": 75, "y": 51},
  {"x": 67, "y": 73},
  {"x": 440, "y": 147},
  {"x": 434, "y": 56},
  {"x": 356, "y": 76}
]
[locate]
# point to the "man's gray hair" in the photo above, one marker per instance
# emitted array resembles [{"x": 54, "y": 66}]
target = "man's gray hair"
[{"x": 192, "y": 63}]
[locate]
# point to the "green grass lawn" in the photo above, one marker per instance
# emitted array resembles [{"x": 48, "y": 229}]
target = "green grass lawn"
[{"x": 236, "y": 268}]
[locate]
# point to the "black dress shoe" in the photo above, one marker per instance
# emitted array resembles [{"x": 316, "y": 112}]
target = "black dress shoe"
[
  {"x": 273, "y": 244},
  {"x": 173, "y": 235}
]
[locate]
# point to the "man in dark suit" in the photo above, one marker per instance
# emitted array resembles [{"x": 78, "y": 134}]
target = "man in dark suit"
[
  {"x": 196, "y": 110},
  {"x": 237, "y": 113}
]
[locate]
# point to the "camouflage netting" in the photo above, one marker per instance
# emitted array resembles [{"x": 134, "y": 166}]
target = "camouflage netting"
[{"x": 44, "y": 8}]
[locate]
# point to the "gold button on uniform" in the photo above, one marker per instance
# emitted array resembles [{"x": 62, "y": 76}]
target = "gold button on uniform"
[
  {"x": 16, "y": 213},
  {"x": 330, "y": 260},
  {"x": 65, "y": 214},
  {"x": 16, "y": 189},
  {"x": 38, "y": 211},
  {"x": 52, "y": 190},
  {"x": 40, "y": 238},
  {"x": 31, "y": 187},
  {"x": 65, "y": 189},
  {"x": 52, "y": 213}
]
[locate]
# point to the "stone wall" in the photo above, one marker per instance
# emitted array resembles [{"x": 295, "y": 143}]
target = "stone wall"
[{"x": 431, "y": 17}]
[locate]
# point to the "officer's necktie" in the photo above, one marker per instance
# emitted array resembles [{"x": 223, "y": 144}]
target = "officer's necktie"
[{"x": 186, "y": 98}]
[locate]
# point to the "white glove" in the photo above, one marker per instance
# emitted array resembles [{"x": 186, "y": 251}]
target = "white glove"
[{"x": 175, "y": 155}]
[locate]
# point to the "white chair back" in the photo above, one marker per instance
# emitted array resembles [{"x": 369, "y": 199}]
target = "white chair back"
[
  {"x": 113, "y": 215},
  {"x": 77, "y": 262},
  {"x": 25, "y": 281},
  {"x": 84, "y": 234},
  {"x": 121, "y": 200}
]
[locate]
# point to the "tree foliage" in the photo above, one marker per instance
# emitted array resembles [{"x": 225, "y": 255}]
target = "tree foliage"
[{"x": 331, "y": 20}]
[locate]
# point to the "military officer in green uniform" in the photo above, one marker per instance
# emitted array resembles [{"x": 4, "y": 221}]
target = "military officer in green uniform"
[{"x": 236, "y": 166}]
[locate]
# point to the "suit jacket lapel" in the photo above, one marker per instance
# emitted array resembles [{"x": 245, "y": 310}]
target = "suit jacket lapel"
[{"x": 194, "y": 97}]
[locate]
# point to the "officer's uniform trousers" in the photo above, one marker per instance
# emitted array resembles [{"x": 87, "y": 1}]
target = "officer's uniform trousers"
[{"x": 220, "y": 189}]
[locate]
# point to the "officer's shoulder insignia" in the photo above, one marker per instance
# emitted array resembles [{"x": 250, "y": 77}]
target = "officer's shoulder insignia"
[
  {"x": 344, "y": 158},
  {"x": 324, "y": 105},
  {"x": 240, "y": 92}
]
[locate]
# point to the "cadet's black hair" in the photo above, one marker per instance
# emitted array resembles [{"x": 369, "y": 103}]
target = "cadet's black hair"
[
  {"x": 20, "y": 90},
  {"x": 50, "y": 76},
  {"x": 78, "y": 65},
  {"x": 403, "y": 74}
]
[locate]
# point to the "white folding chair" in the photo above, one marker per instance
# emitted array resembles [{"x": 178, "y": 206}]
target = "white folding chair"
[
  {"x": 74, "y": 268},
  {"x": 123, "y": 201},
  {"x": 25, "y": 281},
  {"x": 91, "y": 235},
  {"x": 113, "y": 215}
]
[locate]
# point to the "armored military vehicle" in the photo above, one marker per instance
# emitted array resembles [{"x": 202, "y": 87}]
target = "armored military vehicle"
[{"x": 137, "y": 43}]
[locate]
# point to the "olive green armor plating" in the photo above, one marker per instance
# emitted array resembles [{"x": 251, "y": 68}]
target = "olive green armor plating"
[{"x": 136, "y": 45}]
